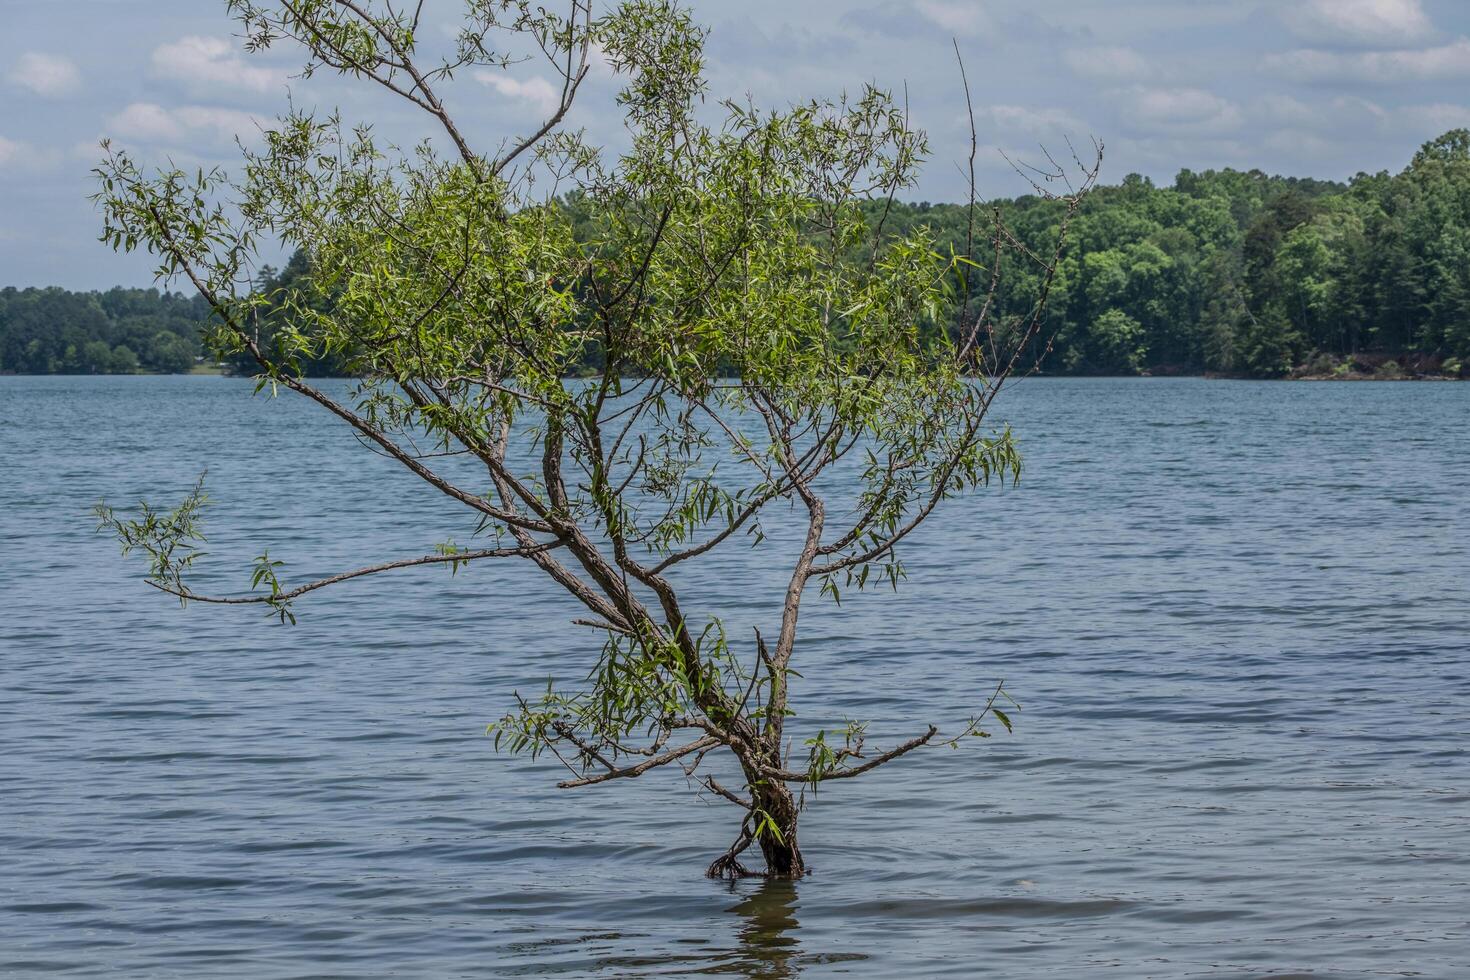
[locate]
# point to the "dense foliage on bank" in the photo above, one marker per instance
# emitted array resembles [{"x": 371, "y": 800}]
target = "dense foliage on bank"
[
  {"x": 1225, "y": 271},
  {"x": 1243, "y": 273},
  {"x": 120, "y": 331}
]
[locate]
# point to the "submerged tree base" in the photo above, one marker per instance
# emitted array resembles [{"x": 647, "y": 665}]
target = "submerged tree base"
[
  {"x": 788, "y": 865},
  {"x": 771, "y": 821}
]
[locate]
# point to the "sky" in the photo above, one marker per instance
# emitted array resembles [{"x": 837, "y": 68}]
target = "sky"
[{"x": 1320, "y": 88}]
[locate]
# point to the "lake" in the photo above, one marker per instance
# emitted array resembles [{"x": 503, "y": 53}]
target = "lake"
[{"x": 1236, "y": 615}]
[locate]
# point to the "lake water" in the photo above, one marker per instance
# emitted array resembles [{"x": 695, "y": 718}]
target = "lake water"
[{"x": 1237, "y": 616}]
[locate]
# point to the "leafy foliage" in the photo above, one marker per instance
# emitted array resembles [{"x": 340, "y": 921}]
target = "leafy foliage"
[{"x": 170, "y": 539}]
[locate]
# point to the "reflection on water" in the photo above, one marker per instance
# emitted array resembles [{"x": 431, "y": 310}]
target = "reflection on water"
[
  {"x": 769, "y": 948},
  {"x": 1235, "y": 614}
]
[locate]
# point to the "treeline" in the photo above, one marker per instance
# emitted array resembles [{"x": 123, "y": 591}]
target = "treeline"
[
  {"x": 120, "y": 331},
  {"x": 1248, "y": 274},
  {"x": 126, "y": 331},
  {"x": 1228, "y": 272}
]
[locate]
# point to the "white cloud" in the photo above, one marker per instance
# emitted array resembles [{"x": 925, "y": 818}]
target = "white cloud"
[
  {"x": 1344, "y": 115},
  {"x": 212, "y": 61},
  {"x": 1189, "y": 109},
  {"x": 1108, "y": 64},
  {"x": 145, "y": 122},
  {"x": 1293, "y": 144},
  {"x": 1350, "y": 115},
  {"x": 598, "y": 59},
  {"x": 1429, "y": 64},
  {"x": 1431, "y": 120},
  {"x": 536, "y": 90},
  {"x": 964, "y": 17},
  {"x": 1031, "y": 120},
  {"x": 1283, "y": 110},
  {"x": 1380, "y": 23},
  {"x": 47, "y": 75},
  {"x": 148, "y": 122},
  {"x": 19, "y": 155},
  {"x": 1161, "y": 155}
]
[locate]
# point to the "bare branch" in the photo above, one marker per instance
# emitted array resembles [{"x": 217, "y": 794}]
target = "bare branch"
[
  {"x": 456, "y": 558},
  {"x": 792, "y": 776},
  {"x": 629, "y": 772}
]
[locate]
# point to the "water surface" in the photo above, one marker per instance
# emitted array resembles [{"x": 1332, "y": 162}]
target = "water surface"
[{"x": 1236, "y": 615}]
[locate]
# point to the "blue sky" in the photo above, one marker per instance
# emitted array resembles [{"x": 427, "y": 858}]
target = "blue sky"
[{"x": 1320, "y": 88}]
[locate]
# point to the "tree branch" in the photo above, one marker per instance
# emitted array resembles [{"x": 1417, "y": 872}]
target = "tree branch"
[
  {"x": 628, "y": 772},
  {"x": 288, "y": 595},
  {"x": 790, "y": 775}
]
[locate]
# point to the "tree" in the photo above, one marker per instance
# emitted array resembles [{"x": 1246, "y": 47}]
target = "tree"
[
  {"x": 123, "y": 360},
  {"x": 285, "y": 290},
  {"x": 170, "y": 353},
  {"x": 747, "y": 357},
  {"x": 1225, "y": 315},
  {"x": 1117, "y": 343},
  {"x": 96, "y": 357}
]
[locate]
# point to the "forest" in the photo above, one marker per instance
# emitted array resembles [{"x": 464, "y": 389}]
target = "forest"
[
  {"x": 1224, "y": 272},
  {"x": 119, "y": 331}
]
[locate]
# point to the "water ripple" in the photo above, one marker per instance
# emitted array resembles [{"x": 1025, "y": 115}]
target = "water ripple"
[{"x": 1235, "y": 614}]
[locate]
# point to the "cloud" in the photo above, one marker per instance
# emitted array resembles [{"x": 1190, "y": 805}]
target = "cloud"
[
  {"x": 1335, "y": 117},
  {"x": 20, "y": 155},
  {"x": 1430, "y": 120},
  {"x": 1378, "y": 23},
  {"x": 887, "y": 21},
  {"x": 212, "y": 61},
  {"x": 48, "y": 75},
  {"x": 148, "y": 122},
  {"x": 535, "y": 90},
  {"x": 963, "y": 17},
  {"x": 1283, "y": 110},
  {"x": 1180, "y": 109},
  {"x": 1296, "y": 145},
  {"x": 1429, "y": 64},
  {"x": 1359, "y": 117},
  {"x": 1161, "y": 156},
  {"x": 1030, "y": 120},
  {"x": 1108, "y": 64}
]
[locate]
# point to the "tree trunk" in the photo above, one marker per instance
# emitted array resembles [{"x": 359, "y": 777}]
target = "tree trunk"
[
  {"x": 778, "y": 847},
  {"x": 783, "y": 856}
]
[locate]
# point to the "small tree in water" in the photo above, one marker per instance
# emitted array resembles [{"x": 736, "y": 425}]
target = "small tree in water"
[{"x": 754, "y": 324}]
